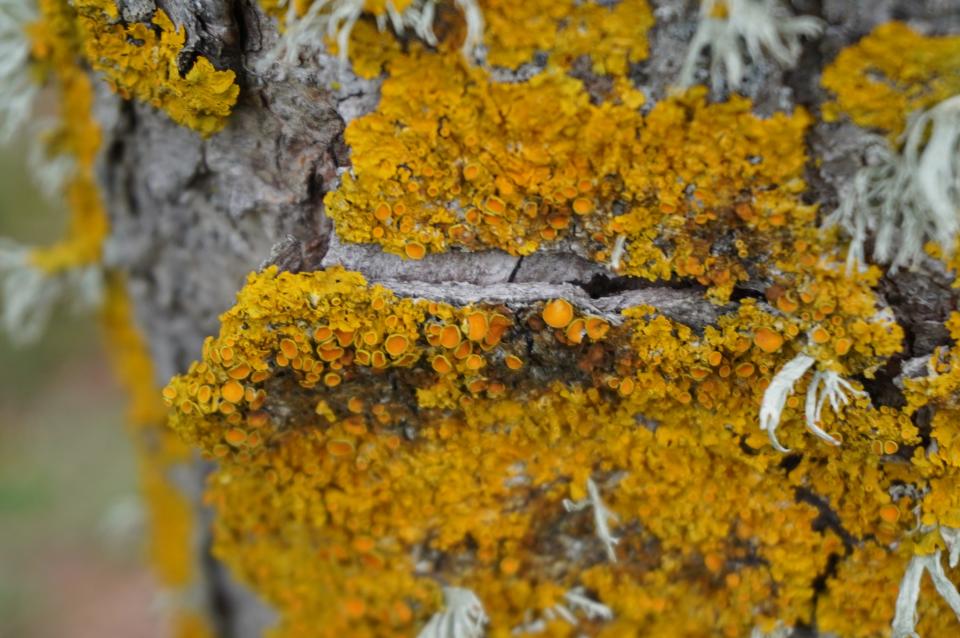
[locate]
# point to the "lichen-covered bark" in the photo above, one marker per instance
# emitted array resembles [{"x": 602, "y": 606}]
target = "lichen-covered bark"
[{"x": 191, "y": 217}]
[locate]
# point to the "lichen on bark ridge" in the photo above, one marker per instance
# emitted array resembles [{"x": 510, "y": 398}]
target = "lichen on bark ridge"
[{"x": 542, "y": 397}]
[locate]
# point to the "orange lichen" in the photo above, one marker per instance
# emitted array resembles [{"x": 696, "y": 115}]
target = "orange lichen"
[
  {"x": 557, "y": 313},
  {"x": 370, "y": 446},
  {"x": 446, "y": 428},
  {"x": 553, "y": 164},
  {"x": 141, "y": 61},
  {"x": 768, "y": 340}
]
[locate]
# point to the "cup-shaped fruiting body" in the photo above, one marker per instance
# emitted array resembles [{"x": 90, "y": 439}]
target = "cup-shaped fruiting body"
[
  {"x": 737, "y": 30},
  {"x": 908, "y": 197}
]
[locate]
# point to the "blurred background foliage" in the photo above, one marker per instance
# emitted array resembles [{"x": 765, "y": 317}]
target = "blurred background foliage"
[{"x": 71, "y": 536}]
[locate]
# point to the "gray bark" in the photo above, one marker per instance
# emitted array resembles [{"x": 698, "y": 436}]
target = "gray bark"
[{"x": 192, "y": 217}]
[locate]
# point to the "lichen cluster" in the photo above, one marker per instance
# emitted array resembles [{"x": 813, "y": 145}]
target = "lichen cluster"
[
  {"x": 376, "y": 452},
  {"x": 453, "y": 159},
  {"x": 574, "y": 471},
  {"x": 398, "y": 443},
  {"x": 139, "y": 61},
  {"x": 142, "y": 61},
  {"x": 890, "y": 74}
]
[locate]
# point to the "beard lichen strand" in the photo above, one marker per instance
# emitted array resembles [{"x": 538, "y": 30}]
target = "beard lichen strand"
[
  {"x": 418, "y": 443},
  {"x": 739, "y": 32},
  {"x": 138, "y": 61}
]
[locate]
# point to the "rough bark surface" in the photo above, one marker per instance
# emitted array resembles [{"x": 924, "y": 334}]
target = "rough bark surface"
[{"x": 192, "y": 217}]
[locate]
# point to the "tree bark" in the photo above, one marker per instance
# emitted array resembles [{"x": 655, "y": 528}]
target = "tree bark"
[{"x": 191, "y": 217}]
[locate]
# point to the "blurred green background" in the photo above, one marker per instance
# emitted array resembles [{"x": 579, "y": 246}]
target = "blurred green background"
[{"x": 71, "y": 534}]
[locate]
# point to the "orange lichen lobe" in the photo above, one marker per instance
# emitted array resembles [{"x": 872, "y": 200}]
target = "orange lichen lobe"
[{"x": 141, "y": 61}]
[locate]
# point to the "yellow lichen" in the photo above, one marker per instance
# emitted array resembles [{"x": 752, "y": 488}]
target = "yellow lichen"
[
  {"x": 171, "y": 526},
  {"x": 613, "y": 35},
  {"x": 891, "y": 73},
  {"x": 141, "y": 61},
  {"x": 452, "y": 159},
  {"x": 372, "y": 474}
]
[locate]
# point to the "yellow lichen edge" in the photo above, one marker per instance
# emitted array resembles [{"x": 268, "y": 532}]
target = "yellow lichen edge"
[
  {"x": 370, "y": 446},
  {"x": 140, "y": 61},
  {"x": 77, "y": 136},
  {"x": 892, "y": 72},
  {"x": 34, "y": 280},
  {"x": 171, "y": 525}
]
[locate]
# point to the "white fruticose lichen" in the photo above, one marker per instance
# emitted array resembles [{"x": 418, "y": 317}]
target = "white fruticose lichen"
[
  {"x": 951, "y": 537},
  {"x": 29, "y": 295},
  {"x": 49, "y": 171},
  {"x": 575, "y": 600},
  {"x": 17, "y": 89},
  {"x": 335, "y": 19},
  {"x": 905, "y": 617},
  {"x": 602, "y": 517},
  {"x": 731, "y": 29},
  {"x": 825, "y": 386},
  {"x": 463, "y": 616},
  {"x": 18, "y": 92},
  {"x": 908, "y": 198},
  {"x": 779, "y": 631},
  {"x": 616, "y": 255}
]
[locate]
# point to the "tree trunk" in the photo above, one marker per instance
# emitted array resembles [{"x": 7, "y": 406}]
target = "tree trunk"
[{"x": 190, "y": 218}]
